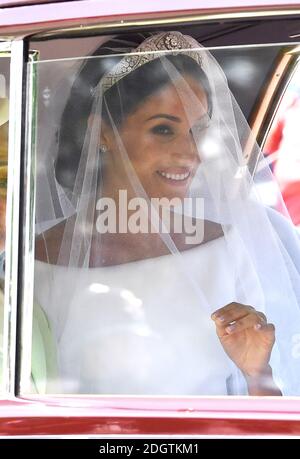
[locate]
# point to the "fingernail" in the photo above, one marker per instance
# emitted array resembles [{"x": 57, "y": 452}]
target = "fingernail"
[
  {"x": 216, "y": 315},
  {"x": 230, "y": 328},
  {"x": 257, "y": 326}
]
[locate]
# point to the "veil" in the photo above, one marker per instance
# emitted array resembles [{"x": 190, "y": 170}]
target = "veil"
[{"x": 147, "y": 222}]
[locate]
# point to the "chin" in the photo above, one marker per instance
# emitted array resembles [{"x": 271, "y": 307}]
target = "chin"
[
  {"x": 168, "y": 191},
  {"x": 167, "y": 194}
]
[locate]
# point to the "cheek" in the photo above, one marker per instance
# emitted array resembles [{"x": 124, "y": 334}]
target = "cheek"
[
  {"x": 132, "y": 145},
  {"x": 146, "y": 153},
  {"x": 141, "y": 153}
]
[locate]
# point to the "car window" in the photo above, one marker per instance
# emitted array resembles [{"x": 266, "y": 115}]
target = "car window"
[
  {"x": 131, "y": 314},
  {"x": 4, "y": 121},
  {"x": 282, "y": 146}
]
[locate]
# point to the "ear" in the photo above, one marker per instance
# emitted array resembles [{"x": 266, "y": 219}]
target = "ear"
[{"x": 106, "y": 134}]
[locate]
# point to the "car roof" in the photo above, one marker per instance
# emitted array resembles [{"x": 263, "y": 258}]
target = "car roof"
[
  {"x": 19, "y": 17},
  {"x": 135, "y": 6}
]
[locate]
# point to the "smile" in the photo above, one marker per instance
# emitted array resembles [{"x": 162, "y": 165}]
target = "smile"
[{"x": 176, "y": 177}]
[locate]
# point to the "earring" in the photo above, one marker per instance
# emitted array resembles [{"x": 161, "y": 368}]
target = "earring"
[{"x": 103, "y": 148}]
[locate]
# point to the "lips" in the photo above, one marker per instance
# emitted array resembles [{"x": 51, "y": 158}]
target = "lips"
[{"x": 176, "y": 174}]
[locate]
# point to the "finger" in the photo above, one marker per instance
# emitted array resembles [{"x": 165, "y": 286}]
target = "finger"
[
  {"x": 267, "y": 328},
  {"x": 269, "y": 332},
  {"x": 228, "y": 307},
  {"x": 262, "y": 315},
  {"x": 252, "y": 320},
  {"x": 234, "y": 311}
]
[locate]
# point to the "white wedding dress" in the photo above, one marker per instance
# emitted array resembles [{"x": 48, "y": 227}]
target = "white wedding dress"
[{"x": 141, "y": 328}]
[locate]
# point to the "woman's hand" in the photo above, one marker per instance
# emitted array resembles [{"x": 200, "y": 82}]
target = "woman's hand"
[{"x": 247, "y": 338}]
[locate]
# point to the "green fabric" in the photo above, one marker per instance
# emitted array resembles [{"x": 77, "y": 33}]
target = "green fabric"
[{"x": 44, "y": 372}]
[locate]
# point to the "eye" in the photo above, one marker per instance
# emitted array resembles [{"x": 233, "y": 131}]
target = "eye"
[
  {"x": 201, "y": 127},
  {"x": 163, "y": 130}
]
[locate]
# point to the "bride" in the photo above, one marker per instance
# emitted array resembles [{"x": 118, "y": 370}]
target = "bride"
[{"x": 165, "y": 274}]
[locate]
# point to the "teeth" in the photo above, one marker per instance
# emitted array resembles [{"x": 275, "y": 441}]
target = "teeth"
[{"x": 174, "y": 176}]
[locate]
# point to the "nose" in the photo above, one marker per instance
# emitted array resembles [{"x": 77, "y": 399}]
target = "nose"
[{"x": 186, "y": 150}]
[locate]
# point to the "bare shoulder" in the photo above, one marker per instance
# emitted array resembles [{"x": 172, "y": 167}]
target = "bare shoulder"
[
  {"x": 211, "y": 231},
  {"x": 47, "y": 245}
]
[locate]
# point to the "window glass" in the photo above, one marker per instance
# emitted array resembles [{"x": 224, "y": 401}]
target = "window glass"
[
  {"x": 154, "y": 249},
  {"x": 4, "y": 107},
  {"x": 282, "y": 147}
]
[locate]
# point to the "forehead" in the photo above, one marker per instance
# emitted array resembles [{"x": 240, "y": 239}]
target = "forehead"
[{"x": 179, "y": 98}]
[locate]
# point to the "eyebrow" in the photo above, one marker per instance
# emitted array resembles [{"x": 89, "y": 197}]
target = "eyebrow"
[
  {"x": 171, "y": 117},
  {"x": 164, "y": 115}
]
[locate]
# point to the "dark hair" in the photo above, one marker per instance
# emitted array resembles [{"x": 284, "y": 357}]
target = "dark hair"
[
  {"x": 120, "y": 100},
  {"x": 128, "y": 93}
]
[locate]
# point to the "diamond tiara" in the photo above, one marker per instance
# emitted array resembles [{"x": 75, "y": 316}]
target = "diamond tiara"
[{"x": 171, "y": 42}]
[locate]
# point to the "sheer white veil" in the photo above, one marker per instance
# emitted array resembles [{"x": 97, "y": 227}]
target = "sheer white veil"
[{"x": 223, "y": 198}]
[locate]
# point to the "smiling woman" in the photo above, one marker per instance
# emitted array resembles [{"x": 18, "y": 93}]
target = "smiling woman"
[
  {"x": 163, "y": 154},
  {"x": 137, "y": 307}
]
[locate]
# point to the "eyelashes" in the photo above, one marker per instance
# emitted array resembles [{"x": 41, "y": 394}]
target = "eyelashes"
[
  {"x": 163, "y": 130},
  {"x": 167, "y": 130}
]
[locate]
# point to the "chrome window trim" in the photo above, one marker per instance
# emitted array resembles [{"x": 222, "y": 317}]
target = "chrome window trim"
[
  {"x": 165, "y": 18},
  {"x": 5, "y": 47},
  {"x": 289, "y": 76},
  {"x": 27, "y": 249}
]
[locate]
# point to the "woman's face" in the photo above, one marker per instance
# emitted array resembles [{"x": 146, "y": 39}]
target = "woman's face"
[{"x": 159, "y": 141}]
